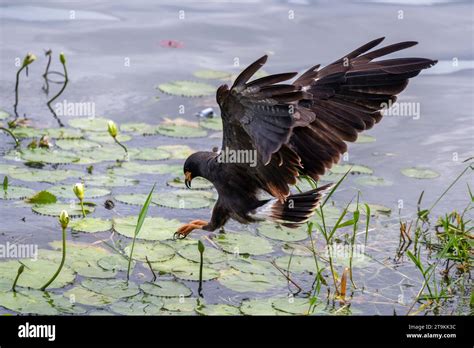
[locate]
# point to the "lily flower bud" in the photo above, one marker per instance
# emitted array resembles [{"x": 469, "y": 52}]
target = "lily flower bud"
[
  {"x": 64, "y": 219},
  {"x": 79, "y": 191},
  {"x": 112, "y": 127}
]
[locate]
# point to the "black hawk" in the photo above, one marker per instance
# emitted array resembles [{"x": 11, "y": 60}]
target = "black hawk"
[{"x": 295, "y": 128}]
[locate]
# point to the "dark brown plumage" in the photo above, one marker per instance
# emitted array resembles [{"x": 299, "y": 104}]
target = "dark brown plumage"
[{"x": 296, "y": 128}]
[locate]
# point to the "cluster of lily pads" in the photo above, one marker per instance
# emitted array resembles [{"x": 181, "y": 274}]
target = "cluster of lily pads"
[{"x": 94, "y": 153}]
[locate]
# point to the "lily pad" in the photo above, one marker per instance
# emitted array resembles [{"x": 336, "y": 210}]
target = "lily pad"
[
  {"x": 136, "y": 168},
  {"x": 331, "y": 215},
  {"x": 139, "y": 128},
  {"x": 198, "y": 183},
  {"x": 149, "y": 154},
  {"x": 260, "y": 306},
  {"x": 185, "y": 269},
  {"x": 296, "y": 306},
  {"x": 132, "y": 198},
  {"x": 96, "y": 124},
  {"x": 4, "y": 114},
  {"x": 64, "y": 133},
  {"x": 138, "y": 305},
  {"x": 155, "y": 252},
  {"x": 47, "y": 156},
  {"x": 36, "y": 273},
  {"x": 176, "y": 130},
  {"x": 80, "y": 257},
  {"x": 420, "y": 173},
  {"x": 29, "y": 301},
  {"x": 299, "y": 264},
  {"x": 187, "y": 88},
  {"x": 363, "y": 139},
  {"x": 246, "y": 282},
  {"x": 213, "y": 123},
  {"x": 110, "y": 181},
  {"x": 55, "y": 209},
  {"x": 90, "y": 225},
  {"x": 113, "y": 262},
  {"x": 90, "y": 268},
  {"x": 16, "y": 192},
  {"x": 242, "y": 243},
  {"x": 191, "y": 272},
  {"x": 79, "y": 294},
  {"x": 28, "y": 132},
  {"x": 40, "y": 175},
  {"x": 166, "y": 288},
  {"x": 106, "y": 153},
  {"x": 104, "y": 137},
  {"x": 356, "y": 169},
  {"x": 211, "y": 255},
  {"x": 66, "y": 192},
  {"x": 115, "y": 288},
  {"x": 177, "y": 151},
  {"x": 372, "y": 181},
  {"x": 76, "y": 144},
  {"x": 282, "y": 233},
  {"x": 212, "y": 74},
  {"x": 184, "y": 199},
  {"x": 182, "y": 304},
  {"x": 218, "y": 309},
  {"x": 154, "y": 228},
  {"x": 42, "y": 197},
  {"x": 252, "y": 266}
]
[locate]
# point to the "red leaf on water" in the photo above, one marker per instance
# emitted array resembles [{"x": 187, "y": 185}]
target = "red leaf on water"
[{"x": 171, "y": 44}]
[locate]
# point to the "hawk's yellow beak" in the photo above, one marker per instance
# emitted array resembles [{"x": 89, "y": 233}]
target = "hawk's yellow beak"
[{"x": 187, "y": 179}]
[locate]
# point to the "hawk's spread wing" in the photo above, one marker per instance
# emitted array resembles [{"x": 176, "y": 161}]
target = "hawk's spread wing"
[{"x": 301, "y": 127}]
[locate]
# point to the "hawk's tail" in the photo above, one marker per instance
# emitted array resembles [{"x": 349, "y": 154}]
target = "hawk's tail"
[{"x": 296, "y": 209}]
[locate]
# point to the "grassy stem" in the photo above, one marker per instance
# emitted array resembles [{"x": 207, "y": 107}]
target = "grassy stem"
[{"x": 141, "y": 219}]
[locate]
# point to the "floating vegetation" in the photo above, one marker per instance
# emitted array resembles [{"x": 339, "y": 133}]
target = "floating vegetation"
[
  {"x": 372, "y": 181},
  {"x": 64, "y": 191},
  {"x": 282, "y": 233},
  {"x": 243, "y": 243},
  {"x": 198, "y": 183},
  {"x": 91, "y": 225},
  {"x": 212, "y": 74},
  {"x": 213, "y": 123},
  {"x": 364, "y": 138},
  {"x": 154, "y": 228},
  {"x": 187, "y": 88},
  {"x": 166, "y": 288},
  {"x": 420, "y": 173},
  {"x": 55, "y": 209},
  {"x": 16, "y": 192},
  {"x": 184, "y": 199},
  {"x": 180, "y": 128},
  {"x": 177, "y": 151},
  {"x": 354, "y": 169}
]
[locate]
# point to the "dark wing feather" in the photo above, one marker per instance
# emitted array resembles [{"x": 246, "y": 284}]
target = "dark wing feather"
[
  {"x": 348, "y": 98},
  {"x": 302, "y": 127}
]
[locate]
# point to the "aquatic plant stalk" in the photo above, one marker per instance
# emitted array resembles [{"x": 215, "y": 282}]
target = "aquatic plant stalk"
[
  {"x": 64, "y": 221},
  {"x": 201, "y": 262},
  {"x": 113, "y": 131},
  {"x": 141, "y": 219},
  {"x": 18, "y": 274},
  {"x": 17, "y": 143},
  {"x": 29, "y": 58},
  {"x": 62, "y": 59}
]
